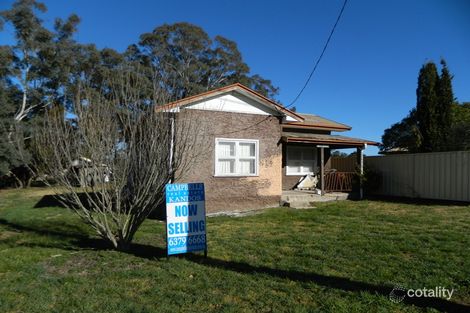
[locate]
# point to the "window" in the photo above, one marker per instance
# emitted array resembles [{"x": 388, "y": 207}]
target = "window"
[
  {"x": 236, "y": 157},
  {"x": 301, "y": 160}
]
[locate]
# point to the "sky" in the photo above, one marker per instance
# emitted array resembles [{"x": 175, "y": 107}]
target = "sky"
[{"x": 367, "y": 77}]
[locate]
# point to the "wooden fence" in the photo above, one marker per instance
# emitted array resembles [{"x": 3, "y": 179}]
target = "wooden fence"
[
  {"x": 347, "y": 164},
  {"x": 437, "y": 175}
]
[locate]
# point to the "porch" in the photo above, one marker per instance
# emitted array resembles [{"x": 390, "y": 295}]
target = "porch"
[{"x": 310, "y": 154}]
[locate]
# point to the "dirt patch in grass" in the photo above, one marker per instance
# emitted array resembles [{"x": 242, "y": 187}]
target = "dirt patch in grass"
[
  {"x": 80, "y": 265},
  {"x": 83, "y": 264},
  {"x": 6, "y": 234}
]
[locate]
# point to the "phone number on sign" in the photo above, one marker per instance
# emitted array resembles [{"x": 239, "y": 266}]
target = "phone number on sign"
[{"x": 186, "y": 240}]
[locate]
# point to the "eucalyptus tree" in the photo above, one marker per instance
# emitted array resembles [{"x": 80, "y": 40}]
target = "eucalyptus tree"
[
  {"x": 33, "y": 69},
  {"x": 33, "y": 42},
  {"x": 191, "y": 62}
]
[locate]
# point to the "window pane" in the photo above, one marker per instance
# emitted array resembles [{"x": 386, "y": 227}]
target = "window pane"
[
  {"x": 225, "y": 166},
  {"x": 308, "y": 154},
  {"x": 236, "y": 157},
  {"x": 226, "y": 149},
  {"x": 293, "y": 154},
  {"x": 308, "y": 168},
  {"x": 294, "y": 167},
  {"x": 247, "y": 167},
  {"x": 247, "y": 149}
]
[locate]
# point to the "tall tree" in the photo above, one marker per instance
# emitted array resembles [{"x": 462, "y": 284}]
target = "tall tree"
[
  {"x": 9, "y": 94},
  {"x": 32, "y": 44},
  {"x": 46, "y": 70},
  {"x": 404, "y": 135},
  {"x": 459, "y": 137},
  {"x": 191, "y": 62},
  {"x": 427, "y": 107},
  {"x": 445, "y": 100},
  {"x": 40, "y": 68},
  {"x": 429, "y": 126},
  {"x": 26, "y": 76}
]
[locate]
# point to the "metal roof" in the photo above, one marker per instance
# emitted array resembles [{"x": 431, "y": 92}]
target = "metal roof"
[
  {"x": 317, "y": 122},
  {"x": 337, "y": 140}
]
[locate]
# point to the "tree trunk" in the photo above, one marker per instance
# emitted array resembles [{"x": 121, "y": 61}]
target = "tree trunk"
[
  {"x": 18, "y": 182},
  {"x": 28, "y": 182}
]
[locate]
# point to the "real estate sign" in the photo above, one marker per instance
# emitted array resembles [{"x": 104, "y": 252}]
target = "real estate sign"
[{"x": 185, "y": 218}]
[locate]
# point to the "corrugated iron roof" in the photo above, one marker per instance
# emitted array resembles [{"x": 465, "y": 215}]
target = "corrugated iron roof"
[
  {"x": 326, "y": 139},
  {"x": 317, "y": 122}
]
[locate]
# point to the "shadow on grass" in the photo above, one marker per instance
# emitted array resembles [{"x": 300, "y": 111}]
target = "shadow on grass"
[
  {"x": 416, "y": 201},
  {"x": 335, "y": 282},
  {"x": 48, "y": 201},
  {"x": 76, "y": 240},
  {"x": 52, "y": 201},
  {"x": 152, "y": 252}
]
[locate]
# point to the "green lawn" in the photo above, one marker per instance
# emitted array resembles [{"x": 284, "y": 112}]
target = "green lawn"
[{"x": 339, "y": 257}]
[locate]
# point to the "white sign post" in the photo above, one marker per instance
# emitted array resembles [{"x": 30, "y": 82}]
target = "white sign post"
[{"x": 185, "y": 218}]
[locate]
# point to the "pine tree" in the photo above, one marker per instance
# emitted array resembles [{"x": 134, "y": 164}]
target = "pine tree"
[
  {"x": 427, "y": 108},
  {"x": 444, "y": 108}
]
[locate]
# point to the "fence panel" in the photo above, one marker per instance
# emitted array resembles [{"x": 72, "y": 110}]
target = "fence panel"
[
  {"x": 437, "y": 175},
  {"x": 347, "y": 164}
]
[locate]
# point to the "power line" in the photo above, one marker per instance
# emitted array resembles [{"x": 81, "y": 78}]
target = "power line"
[
  {"x": 321, "y": 55},
  {"x": 308, "y": 80}
]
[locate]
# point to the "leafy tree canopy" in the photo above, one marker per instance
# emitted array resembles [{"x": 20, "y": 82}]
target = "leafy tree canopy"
[
  {"x": 437, "y": 123},
  {"x": 46, "y": 68},
  {"x": 403, "y": 135},
  {"x": 192, "y": 62}
]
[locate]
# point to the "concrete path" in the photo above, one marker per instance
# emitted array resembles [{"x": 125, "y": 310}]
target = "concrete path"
[{"x": 301, "y": 199}]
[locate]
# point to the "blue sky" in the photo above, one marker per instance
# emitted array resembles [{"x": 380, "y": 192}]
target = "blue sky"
[{"x": 368, "y": 76}]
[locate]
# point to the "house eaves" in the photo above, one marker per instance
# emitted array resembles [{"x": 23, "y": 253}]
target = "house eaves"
[{"x": 239, "y": 88}]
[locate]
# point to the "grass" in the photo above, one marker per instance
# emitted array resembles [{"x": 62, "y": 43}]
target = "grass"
[{"x": 340, "y": 257}]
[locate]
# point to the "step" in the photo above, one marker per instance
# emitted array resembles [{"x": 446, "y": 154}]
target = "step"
[
  {"x": 297, "y": 204},
  {"x": 304, "y": 198},
  {"x": 301, "y": 205}
]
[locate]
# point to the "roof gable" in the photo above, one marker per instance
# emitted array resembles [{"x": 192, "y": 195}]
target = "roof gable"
[
  {"x": 233, "y": 98},
  {"x": 232, "y": 102}
]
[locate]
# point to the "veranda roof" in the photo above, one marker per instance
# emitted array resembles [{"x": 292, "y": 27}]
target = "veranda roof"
[
  {"x": 336, "y": 141},
  {"x": 312, "y": 121}
]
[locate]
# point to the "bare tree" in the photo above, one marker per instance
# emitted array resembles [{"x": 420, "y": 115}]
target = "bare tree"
[{"x": 111, "y": 162}]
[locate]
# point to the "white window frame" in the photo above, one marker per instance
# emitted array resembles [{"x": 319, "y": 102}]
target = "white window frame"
[
  {"x": 302, "y": 171},
  {"x": 236, "y": 157}
]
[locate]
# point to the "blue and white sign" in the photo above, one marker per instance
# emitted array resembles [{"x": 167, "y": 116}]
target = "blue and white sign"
[{"x": 185, "y": 218}]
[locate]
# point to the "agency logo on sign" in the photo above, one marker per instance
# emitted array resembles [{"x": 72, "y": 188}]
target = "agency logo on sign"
[{"x": 185, "y": 218}]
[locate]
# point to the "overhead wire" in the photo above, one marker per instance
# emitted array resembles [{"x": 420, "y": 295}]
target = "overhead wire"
[
  {"x": 321, "y": 55},
  {"x": 309, "y": 77}
]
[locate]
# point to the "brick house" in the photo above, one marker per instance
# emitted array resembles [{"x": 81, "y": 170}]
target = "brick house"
[{"x": 256, "y": 148}]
